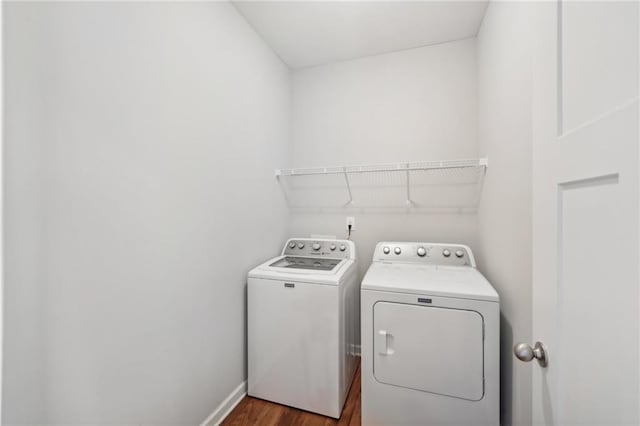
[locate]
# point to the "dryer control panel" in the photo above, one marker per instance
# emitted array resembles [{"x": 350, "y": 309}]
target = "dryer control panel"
[
  {"x": 335, "y": 249},
  {"x": 424, "y": 253}
]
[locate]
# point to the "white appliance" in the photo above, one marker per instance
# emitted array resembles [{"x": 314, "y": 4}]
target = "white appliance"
[
  {"x": 430, "y": 338},
  {"x": 303, "y": 323}
]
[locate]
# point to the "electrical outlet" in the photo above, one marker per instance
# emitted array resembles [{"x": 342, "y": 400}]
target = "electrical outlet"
[{"x": 351, "y": 221}]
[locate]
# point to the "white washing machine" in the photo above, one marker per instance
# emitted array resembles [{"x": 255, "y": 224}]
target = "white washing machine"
[
  {"x": 430, "y": 338},
  {"x": 303, "y": 323}
]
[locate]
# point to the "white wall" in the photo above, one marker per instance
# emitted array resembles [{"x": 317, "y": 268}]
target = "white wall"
[
  {"x": 411, "y": 105},
  {"x": 141, "y": 140},
  {"x": 504, "y": 217}
]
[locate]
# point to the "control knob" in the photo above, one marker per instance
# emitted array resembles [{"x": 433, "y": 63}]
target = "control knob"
[
  {"x": 332, "y": 247},
  {"x": 343, "y": 247},
  {"x": 397, "y": 250},
  {"x": 386, "y": 250},
  {"x": 300, "y": 245},
  {"x": 292, "y": 245},
  {"x": 422, "y": 252},
  {"x": 459, "y": 253},
  {"x": 316, "y": 246},
  {"x": 446, "y": 253}
]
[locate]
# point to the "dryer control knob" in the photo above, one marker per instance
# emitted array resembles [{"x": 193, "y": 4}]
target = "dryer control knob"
[
  {"x": 300, "y": 245},
  {"x": 397, "y": 250},
  {"x": 343, "y": 247},
  {"x": 459, "y": 253},
  {"x": 292, "y": 245},
  {"x": 332, "y": 247},
  {"x": 386, "y": 250},
  {"x": 316, "y": 246},
  {"x": 422, "y": 252},
  {"x": 446, "y": 253}
]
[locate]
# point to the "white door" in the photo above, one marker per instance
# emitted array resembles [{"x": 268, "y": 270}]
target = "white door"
[{"x": 585, "y": 221}]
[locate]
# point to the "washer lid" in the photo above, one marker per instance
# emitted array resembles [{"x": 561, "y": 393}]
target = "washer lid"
[
  {"x": 463, "y": 282},
  {"x": 293, "y": 262},
  {"x": 276, "y": 269}
]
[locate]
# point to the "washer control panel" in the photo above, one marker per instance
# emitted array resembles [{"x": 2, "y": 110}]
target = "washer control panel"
[
  {"x": 336, "y": 249},
  {"x": 425, "y": 253}
]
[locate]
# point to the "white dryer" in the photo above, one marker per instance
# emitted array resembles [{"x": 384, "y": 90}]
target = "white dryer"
[
  {"x": 430, "y": 338},
  {"x": 303, "y": 325}
]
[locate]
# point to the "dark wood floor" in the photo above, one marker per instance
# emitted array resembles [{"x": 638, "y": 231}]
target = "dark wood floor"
[{"x": 252, "y": 411}]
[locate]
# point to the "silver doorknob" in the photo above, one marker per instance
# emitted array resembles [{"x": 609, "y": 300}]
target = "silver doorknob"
[{"x": 526, "y": 353}]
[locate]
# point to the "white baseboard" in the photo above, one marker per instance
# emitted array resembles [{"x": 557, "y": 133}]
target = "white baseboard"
[{"x": 225, "y": 407}]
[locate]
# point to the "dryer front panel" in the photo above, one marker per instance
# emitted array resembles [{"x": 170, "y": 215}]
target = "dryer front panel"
[{"x": 430, "y": 349}]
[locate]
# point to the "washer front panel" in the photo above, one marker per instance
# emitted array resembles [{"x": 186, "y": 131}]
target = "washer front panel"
[{"x": 293, "y": 349}]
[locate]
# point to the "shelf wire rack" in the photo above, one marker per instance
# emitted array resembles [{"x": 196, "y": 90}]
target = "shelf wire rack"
[{"x": 395, "y": 175}]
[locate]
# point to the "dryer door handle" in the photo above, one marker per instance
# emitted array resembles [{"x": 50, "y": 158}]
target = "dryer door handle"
[{"x": 383, "y": 339}]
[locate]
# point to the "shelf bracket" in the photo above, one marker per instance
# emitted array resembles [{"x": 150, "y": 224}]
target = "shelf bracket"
[
  {"x": 346, "y": 179},
  {"x": 409, "y": 202}
]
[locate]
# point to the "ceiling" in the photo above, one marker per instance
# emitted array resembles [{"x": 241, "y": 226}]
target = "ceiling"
[{"x": 307, "y": 33}]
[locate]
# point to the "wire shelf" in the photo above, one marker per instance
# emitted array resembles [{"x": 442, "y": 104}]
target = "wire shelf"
[
  {"x": 443, "y": 183},
  {"x": 389, "y": 167}
]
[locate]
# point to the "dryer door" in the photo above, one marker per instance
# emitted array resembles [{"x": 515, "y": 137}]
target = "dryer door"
[{"x": 430, "y": 349}]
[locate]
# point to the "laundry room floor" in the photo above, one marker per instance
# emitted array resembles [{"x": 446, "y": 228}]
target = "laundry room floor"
[{"x": 253, "y": 411}]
